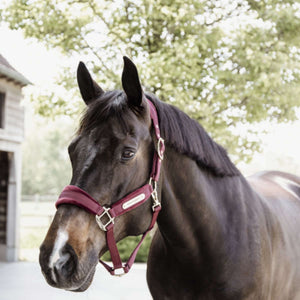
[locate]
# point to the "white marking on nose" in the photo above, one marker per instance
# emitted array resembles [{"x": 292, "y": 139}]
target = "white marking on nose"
[
  {"x": 61, "y": 239},
  {"x": 286, "y": 184}
]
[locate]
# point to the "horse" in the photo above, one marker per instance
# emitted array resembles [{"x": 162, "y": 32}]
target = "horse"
[{"x": 219, "y": 235}]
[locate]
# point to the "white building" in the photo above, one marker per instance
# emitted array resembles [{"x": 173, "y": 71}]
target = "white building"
[{"x": 11, "y": 136}]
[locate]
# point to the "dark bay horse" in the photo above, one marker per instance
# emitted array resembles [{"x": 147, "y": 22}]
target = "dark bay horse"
[{"x": 219, "y": 235}]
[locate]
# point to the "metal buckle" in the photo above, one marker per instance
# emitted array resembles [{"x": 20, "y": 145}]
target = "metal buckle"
[
  {"x": 160, "y": 144},
  {"x": 154, "y": 195},
  {"x": 119, "y": 272},
  {"x": 155, "y": 200},
  {"x": 110, "y": 219}
]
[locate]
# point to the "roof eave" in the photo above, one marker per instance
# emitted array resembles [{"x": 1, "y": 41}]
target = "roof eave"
[{"x": 14, "y": 75}]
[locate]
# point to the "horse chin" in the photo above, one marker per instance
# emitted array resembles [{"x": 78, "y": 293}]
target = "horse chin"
[
  {"x": 86, "y": 282},
  {"x": 74, "y": 285}
]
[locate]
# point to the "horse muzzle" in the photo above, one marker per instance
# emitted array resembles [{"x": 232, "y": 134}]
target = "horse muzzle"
[{"x": 61, "y": 268}]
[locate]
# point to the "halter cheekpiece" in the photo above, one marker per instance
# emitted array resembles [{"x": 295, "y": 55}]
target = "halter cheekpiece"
[{"x": 105, "y": 216}]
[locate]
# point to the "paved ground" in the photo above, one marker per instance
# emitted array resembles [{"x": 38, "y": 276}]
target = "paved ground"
[{"x": 24, "y": 280}]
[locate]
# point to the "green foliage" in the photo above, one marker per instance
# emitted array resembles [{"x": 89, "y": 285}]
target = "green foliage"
[
  {"x": 225, "y": 63},
  {"x": 126, "y": 247},
  {"x": 46, "y": 167}
]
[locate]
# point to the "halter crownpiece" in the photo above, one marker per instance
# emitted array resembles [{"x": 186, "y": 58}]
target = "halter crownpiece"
[{"x": 105, "y": 216}]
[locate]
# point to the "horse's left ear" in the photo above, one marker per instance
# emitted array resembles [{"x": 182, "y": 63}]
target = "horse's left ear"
[{"x": 131, "y": 83}]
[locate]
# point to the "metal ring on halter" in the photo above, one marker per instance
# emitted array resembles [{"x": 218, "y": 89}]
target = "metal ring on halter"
[
  {"x": 160, "y": 145},
  {"x": 119, "y": 272}
]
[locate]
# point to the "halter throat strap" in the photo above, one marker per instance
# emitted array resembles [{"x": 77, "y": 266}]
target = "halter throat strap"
[{"x": 105, "y": 216}]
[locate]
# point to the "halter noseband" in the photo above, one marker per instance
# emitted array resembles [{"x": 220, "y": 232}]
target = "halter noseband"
[{"x": 105, "y": 216}]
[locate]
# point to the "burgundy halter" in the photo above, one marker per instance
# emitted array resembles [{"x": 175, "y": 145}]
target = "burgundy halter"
[{"x": 105, "y": 215}]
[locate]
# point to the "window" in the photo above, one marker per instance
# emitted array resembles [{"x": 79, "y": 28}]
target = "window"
[{"x": 2, "y": 109}]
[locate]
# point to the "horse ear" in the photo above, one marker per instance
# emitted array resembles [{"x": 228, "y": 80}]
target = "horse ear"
[
  {"x": 131, "y": 83},
  {"x": 89, "y": 89}
]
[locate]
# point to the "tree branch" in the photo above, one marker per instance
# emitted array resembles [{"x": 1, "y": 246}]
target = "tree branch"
[
  {"x": 226, "y": 16},
  {"x": 97, "y": 56},
  {"x": 238, "y": 105},
  {"x": 100, "y": 16}
]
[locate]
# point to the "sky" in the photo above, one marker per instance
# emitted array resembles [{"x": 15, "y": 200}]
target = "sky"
[
  {"x": 30, "y": 58},
  {"x": 281, "y": 146}
]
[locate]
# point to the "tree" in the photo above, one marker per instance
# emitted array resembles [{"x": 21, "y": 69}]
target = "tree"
[
  {"x": 46, "y": 167},
  {"x": 225, "y": 63}
]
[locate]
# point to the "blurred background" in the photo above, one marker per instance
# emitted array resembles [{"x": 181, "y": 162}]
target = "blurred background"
[{"x": 234, "y": 66}]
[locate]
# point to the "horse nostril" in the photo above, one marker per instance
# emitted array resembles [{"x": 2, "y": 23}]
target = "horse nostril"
[
  {"x": 63, "y": 262},
  {"x": 65, "y": 266}
]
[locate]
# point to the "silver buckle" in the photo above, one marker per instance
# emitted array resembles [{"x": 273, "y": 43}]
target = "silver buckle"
[
  {"x": 119, "y": 272},
  {"x": 155, "y": 200},
  {"x": 110, "y": 219},
  {"x": 154, "y": 195},
  {"x": 160, "y": 143}
]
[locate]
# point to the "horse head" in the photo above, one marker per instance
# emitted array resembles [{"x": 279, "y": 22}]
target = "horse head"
[{"x": 111, "y": 156}]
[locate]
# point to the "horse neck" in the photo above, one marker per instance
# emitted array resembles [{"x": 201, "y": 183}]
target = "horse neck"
[{"x": 203, "y": 217}]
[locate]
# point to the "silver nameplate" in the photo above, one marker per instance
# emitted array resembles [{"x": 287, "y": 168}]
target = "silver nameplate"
[{"x": 133, "y": 201}]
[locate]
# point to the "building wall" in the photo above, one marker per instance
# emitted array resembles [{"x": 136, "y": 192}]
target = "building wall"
[
  {"x": 11, "y": 137},
  {"x": 14, "y": 113}
]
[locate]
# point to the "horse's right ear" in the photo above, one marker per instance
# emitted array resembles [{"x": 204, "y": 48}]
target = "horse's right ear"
[{"x": 89, "y": 89}]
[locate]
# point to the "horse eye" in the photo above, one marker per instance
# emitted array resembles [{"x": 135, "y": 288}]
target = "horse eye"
[{"x": 127, "y": 155}]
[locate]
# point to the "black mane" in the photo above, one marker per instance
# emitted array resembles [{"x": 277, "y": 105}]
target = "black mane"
[
  {"x": 188, "y": 137},
  {"x": 180, "y": 132},
  {"x": 103, "y": 108}
]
